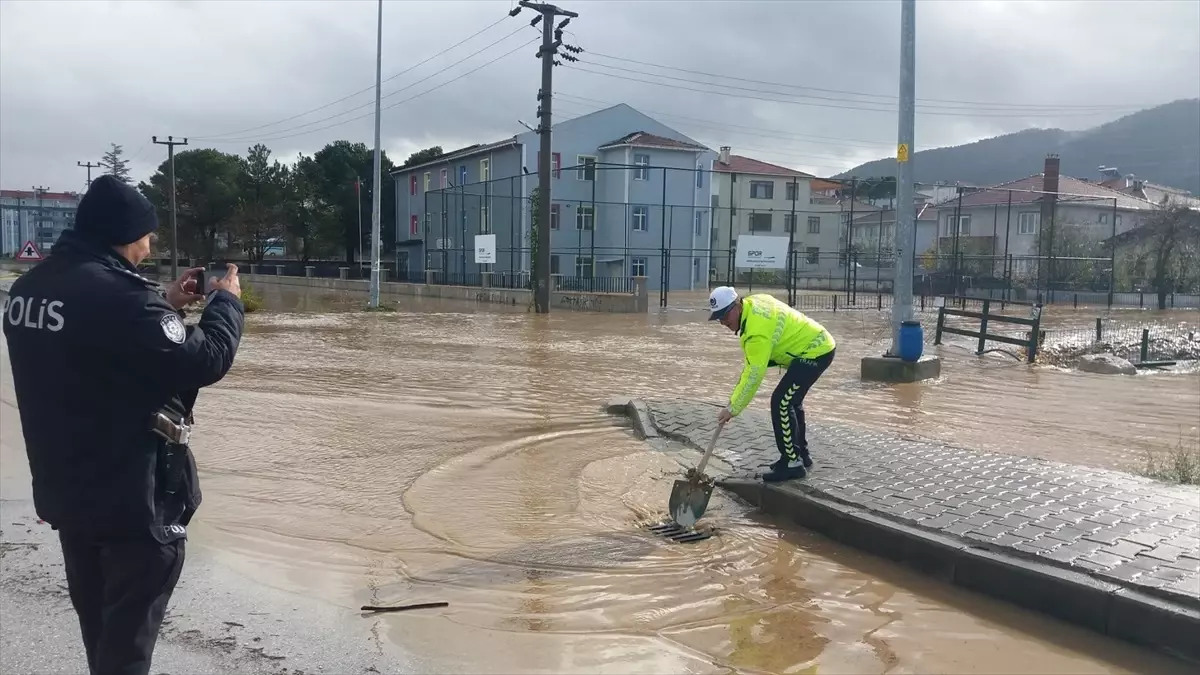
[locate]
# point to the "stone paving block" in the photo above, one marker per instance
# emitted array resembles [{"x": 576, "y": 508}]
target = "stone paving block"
[{"x": 1102, "y": 523}]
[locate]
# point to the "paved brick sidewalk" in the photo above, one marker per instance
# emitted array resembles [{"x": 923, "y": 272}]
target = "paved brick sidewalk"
[{"x": 1117, "y": 527}]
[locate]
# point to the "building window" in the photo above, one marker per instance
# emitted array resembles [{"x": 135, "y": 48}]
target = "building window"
[
  {"x": 414, "y": 227},
  {"x": 554, "y": 267},
  {"x": 762, "y": 189},
  {"x": 789, "y": 222},
  {"x": 426, "y": 181},
  {"x": 555, "y": 213},
  {"x": 412, "y": 184},
  {"x": 964, "y": 225},
  {"x": 556, "y": 164},
  {"x": 793, "y": 191},
  {"x": 760, "y": 222},
  {"x": 1117, "y": 221},
  {"x": 641, "y": 218},
  {"x": 814, "y": 224},
  {"x": 1027, "y": 223},
  {"x": 637, "y": 267},
  {"x": 586, "y": 167},
  {"x": 813, "y": 255},
  {"x": 699, "y": 223},
  {"x": 445, "y": 178},
  {"x": 1103, "y": 218},
  {"x": 583, "y": 267},
  {"x": 584, "y": 218},
  {"x": 699, "y": 176},
  {"x": 462, "y": 175},
  {"x": 642, "y": 164},
  {"x": 485, "y": 225},
  {"x": 485, "y": 169}
]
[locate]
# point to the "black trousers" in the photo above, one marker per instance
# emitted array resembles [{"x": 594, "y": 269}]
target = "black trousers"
[
  {"x": 120, "y": 589},
  {"x": 787, "y": 405}
]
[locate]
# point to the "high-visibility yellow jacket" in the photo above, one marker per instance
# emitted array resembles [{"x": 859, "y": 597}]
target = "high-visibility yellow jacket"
[{"x": 773, "y": 334}]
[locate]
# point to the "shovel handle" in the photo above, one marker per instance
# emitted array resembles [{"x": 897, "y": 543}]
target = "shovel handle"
[{"x": 708, "y": 453}]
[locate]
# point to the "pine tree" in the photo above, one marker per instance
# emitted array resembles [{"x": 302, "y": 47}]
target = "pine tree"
[{"x": 114, "y": 165}]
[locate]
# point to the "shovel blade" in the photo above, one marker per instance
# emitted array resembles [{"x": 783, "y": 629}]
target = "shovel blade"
[{"x": 688, "y": 501}]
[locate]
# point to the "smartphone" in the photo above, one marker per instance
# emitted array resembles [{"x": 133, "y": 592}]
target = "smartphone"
[{"x": 200, "y": 283}]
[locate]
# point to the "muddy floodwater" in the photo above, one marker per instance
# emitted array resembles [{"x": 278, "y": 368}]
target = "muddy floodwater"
[
  {"x": 457, "y": 453},
  {"x": 450, "y": 452}
]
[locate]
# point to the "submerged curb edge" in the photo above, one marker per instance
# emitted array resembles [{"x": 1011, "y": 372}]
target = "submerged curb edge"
[{"x": 1102, "y": 606}]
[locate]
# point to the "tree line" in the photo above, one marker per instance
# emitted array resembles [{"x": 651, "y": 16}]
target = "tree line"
[{"x": 245, "y": 206}]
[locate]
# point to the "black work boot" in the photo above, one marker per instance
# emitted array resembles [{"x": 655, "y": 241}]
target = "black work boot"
[
  {"x": 806, "y": 459},
  {"x": 784, "y": 470}
]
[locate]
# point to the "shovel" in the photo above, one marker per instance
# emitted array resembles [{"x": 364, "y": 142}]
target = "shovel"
[{"x": 689, "y": 498}]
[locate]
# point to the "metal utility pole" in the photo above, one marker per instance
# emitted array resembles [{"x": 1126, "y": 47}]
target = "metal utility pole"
[
  {"x": 171, "y": 143},
  {"x": 358, "y": 198},
  {"x": 376, "y": 189},
  {"x": 902, "y": 291},
  {"x": 551, "y": 41},
  {"x": 89, "y": 166}
]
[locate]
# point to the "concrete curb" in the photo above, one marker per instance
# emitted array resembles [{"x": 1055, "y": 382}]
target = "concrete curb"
[{"x": 1105, "y": 607}]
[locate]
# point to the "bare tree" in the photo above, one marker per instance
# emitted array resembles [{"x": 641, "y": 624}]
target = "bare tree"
[{"x": 1165, "y": 247}]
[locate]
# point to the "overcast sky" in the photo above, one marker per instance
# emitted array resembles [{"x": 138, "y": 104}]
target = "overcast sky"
[{"x": 76, "y": 76}]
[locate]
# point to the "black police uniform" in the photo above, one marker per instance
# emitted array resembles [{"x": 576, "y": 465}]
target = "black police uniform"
[{"x": 97, "y": 353}]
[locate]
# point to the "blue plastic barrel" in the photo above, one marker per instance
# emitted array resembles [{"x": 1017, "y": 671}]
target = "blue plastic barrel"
[{"x": 912, "y": 340}]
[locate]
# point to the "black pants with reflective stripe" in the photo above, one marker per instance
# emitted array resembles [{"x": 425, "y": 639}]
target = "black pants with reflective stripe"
[
  {"x": 120, "y": 589},
  {"x": 787, "y": 405}
]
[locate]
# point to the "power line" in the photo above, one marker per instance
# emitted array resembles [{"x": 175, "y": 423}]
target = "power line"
[
  {"x": 388, "y": 107},
  {"x": 351, "y": 110},
  {"x": 889, "y": 97},
  {"x": 753, "y": 131},
  {"x": 802, "y": 103},
  {"x": 797, "y": 153},
  {"x": 370, "y": 88}
]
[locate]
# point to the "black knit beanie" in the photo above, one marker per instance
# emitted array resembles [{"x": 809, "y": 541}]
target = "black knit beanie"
[{"x": 113, "y": 213}]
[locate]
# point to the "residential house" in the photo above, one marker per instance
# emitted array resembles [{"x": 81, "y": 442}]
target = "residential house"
[
  {"x": 1008, "y": 219},
  {"x": 875, "y": 233},
  {"x": 624, "y": 187},
  {"x": 759, "y": 198},
  {"x": 39, "y": 216},
  {"x": 1143, "y": 189}
]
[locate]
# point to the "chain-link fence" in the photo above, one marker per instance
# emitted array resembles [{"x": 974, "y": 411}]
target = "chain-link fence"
[{"x": 686, "y": 229}]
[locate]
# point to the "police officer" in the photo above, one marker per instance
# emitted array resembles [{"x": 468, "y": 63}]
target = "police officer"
[
  {"x": 106, "y": 374},
  {"x": 774, "y": 334}
]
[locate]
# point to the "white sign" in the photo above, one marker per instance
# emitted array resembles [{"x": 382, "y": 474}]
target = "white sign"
[
  {"x": 29, "y": 252},
  {"x": 760, "y": 252},
  {"x": 443, "y": 243},
  {"x": 485, "y": 248}
]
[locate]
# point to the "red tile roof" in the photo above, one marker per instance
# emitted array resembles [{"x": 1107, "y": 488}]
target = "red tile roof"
[
  {"x": 1028, "y": 190},
  {"x": 29, "y": 194},
  {"x": 821, "y": 185},
  {"x": 922, "y": 211},
  {"x": 740, "y": 164},
  {"x": 1152, "y": 192},
  {"x": 641, "y": 139}
]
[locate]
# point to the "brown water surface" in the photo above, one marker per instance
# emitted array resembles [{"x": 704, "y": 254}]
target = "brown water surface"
[{"x": 455, "y": 453}]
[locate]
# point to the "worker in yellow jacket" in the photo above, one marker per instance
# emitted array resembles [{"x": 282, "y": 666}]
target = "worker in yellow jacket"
[{"x": 774, "y": 334}]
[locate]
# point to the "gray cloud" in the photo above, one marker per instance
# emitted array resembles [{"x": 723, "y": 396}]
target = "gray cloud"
[{"x": 90, "y": 73}]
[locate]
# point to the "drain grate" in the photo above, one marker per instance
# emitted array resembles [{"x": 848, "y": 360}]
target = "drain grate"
[{"x": 677, "y": 533}]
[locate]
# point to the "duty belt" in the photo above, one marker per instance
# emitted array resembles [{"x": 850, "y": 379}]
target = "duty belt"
[{"x": 174, "y": 432}]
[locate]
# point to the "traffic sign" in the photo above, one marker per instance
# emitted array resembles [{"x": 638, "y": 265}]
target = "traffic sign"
[{"x": 29, "y": 252}]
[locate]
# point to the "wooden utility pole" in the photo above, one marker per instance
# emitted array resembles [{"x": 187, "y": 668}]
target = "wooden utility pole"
[
  {"x": 89, "y": 166},
  {"x": 551, "y": 41},
  {"x": 171, "y": 143}
]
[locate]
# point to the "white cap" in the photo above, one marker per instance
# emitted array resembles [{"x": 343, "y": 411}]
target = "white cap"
[{"x": 720, "y": 300}]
